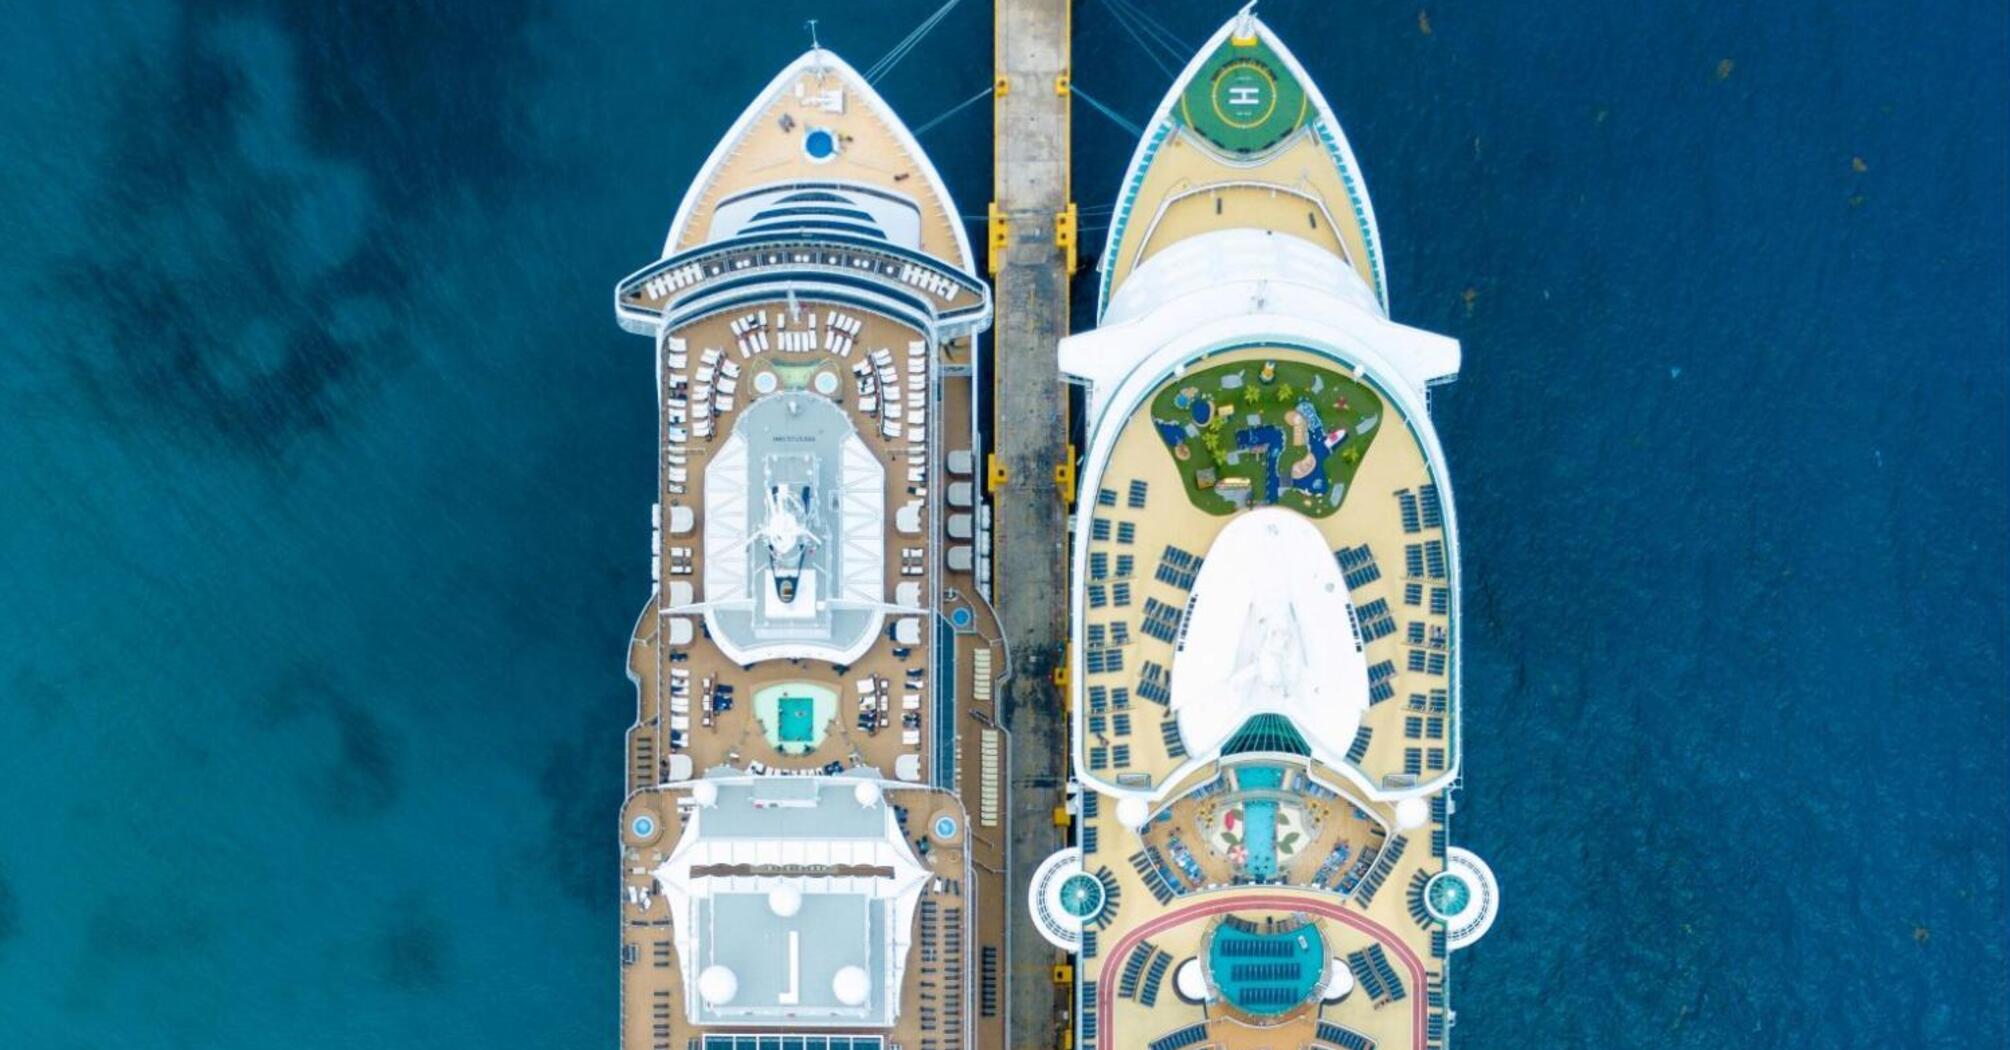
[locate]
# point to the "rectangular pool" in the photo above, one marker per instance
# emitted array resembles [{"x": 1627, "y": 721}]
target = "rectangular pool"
[{"x": 796, "y": 716}]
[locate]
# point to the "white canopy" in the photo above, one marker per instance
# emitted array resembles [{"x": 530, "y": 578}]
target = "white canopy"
[{"x": 1263, "y": 639}]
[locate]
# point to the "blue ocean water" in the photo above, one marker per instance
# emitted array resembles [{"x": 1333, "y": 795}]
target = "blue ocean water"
[{"x": 324, "y": 477}]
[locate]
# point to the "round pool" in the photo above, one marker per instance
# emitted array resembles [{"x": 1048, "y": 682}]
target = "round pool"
[
  {"x": 961, "y": 618},
  {"x": 643, "y": 825},
  {"x": 945, "y": 827},
  {"x": 820, "y": 144}
]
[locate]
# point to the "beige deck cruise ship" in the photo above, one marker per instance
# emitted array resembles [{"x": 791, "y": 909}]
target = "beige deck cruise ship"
[
  {"x": 812, "y": 839},
  {"x": 1264, "y": 676}
]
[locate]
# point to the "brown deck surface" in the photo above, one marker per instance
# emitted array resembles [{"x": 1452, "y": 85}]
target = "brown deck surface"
[
  {"x": 871, "y": 154},
  {"x": 953, "y": 991}
]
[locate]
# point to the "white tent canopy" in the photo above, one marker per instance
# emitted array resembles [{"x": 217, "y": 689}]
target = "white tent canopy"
[{"x": 1261, "y": 640}]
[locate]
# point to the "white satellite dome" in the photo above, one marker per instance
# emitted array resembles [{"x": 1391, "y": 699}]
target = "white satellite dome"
[
  {"x": 1132, "y": 812},
  {"x": 867, "y": 793},
  {"x": 705, "y": 793},
  {"x": 1339, "y": 981},
  {"x": 785, "y": 901},
  {"x": 1412, "y": 813},
  {"x": 1190, "y": 982},
  {"x": 851, "y": 985},
  {"x": 718, "y": 985}
]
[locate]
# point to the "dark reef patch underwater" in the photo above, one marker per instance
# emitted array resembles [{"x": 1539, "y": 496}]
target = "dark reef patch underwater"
[{"x": 325, "y": 473}]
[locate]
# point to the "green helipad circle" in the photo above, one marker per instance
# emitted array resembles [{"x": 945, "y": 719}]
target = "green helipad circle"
[
  {"x": 1082, "y": 895},
  {"x": 1244, "y": 99},
  {"x": 1244, "y": 94}
]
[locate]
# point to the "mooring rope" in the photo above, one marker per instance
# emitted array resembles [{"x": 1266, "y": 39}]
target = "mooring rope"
[
  {"x": 892, "y": 58},
  {"x": 1115, "y": 118},
  {"x": 950, "y": 112},
  {"x": 1125, "y": 22}
]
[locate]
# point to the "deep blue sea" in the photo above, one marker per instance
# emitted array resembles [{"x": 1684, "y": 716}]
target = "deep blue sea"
[{"x": 325, "y": 474}]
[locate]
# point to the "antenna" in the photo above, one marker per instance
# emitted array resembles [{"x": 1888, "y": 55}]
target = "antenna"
[
  {"x": 811, "y": 25},
  {"x": 1245, "y": 25}
]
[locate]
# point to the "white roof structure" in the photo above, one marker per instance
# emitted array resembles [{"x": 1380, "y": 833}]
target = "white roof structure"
[
  {"x": 1271, "y": 632},
  {"x": 1240, "y": 285},
  {"x": 798, "y": 891},
  {"x": 794, "y": 474},
  {"x": 897, "y": 219}
]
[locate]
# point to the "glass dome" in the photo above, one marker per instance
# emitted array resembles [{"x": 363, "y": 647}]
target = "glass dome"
[{"x": 1082, "y": 895}]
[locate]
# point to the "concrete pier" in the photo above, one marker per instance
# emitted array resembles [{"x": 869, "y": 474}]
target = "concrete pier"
[{"x": 1031, "y": 252}]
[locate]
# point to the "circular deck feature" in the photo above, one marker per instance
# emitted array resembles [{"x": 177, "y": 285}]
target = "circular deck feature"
[
  {"x": 820, "y": 144},
  {"x": 643, "y": 827},
  {"x": 1465, "y": 897},
  {"x": 1189, "y": 983},
  {"x": 1244, "y": 100},
  {"x": 1081, "y": 895},
  {"x": 1063, "y": 899},
  {"x": 945, "y": 828},
  {"x": 1447, "y": 895}
]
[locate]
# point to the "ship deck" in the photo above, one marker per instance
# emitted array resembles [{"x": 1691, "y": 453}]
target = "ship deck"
[
  {"x": 1244, "y": 144},
  {"x": 1148, "y": 514},
  {"x": 1146, "y": 526},
  {"x": 933, "y": 724},
  {"x": 872, "y": 153}
]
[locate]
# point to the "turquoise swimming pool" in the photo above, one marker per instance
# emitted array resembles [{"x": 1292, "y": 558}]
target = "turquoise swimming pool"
[
  {"x": 796, "y": 720},
  {"x": 1260, "y": 818},
  {"x": 795, "y": 715},
  {"x": 1261, "y": 838},
  {"x": 1266, "y": 969},
  {"x": 1259, "y": 778}
]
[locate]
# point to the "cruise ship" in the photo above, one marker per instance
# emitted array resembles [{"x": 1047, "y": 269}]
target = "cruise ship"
[
  {"x": 812, "y": 838},
  {"x": 1264, "y": 669}
]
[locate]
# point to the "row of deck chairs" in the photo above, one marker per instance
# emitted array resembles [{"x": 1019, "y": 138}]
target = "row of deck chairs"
[
  {"x": 837, "y": 333},
  {"x": 927, "y": 280},
  {"x": 712, "y": 696},
  {"x": 875, "y": 706},
  {"x": 680, "y": 708},
  {"x": 689, "y": 407},
  {"x": 879, "y": 392},
  {"x": 711, "y": 389}
]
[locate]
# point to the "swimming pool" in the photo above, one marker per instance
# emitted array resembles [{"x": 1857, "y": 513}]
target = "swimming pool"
[
  {"x": 1261, "y": 838},
  {"x": 1260, "y": 818},
  {"x": 1259, "y": 778},
  {"x": 794, "y": 715},
  {"x": 1266, "y": 968}
]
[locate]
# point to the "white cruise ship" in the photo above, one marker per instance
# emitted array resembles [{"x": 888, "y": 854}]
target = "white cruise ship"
[
  {"x": 811, "y": 851},
  {"x": 1264, "y": 674}
]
